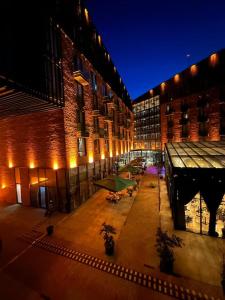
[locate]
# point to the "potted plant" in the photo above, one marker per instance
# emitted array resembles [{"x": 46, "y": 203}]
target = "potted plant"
[
  {"x": 50, "y": 229},
  {"x": 107, "y": 230},
  {"x": 164, "y": 245},
  {"x": 152, "y": 185},
  {"x": 223, "y": 275}
]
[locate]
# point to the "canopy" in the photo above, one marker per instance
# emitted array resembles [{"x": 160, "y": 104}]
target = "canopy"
[{"x": 115, "y": 183}]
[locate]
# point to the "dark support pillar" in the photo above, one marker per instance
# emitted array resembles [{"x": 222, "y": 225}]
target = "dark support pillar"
[
  {"x": 179, "y": 216},
  {"x": 212, "y": 223}
]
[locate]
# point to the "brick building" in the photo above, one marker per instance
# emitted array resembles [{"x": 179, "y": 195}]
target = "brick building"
[
  {"x": 65, "y": 114},
  {"x": 192, "y": 107}
]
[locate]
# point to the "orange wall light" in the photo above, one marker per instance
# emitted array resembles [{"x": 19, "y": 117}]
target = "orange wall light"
[
  {"x": 55, "y": 165},
  {"x": 176, "y": 78},
  {"x": 10, "y": 165},
  {"x": 213, "y": 59},
  {"x": 194, "y": 70},
  {"x": 163, "y": 86}
]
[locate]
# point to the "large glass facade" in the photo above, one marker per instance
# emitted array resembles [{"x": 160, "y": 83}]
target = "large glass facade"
[{"x": 147, "y": 124}]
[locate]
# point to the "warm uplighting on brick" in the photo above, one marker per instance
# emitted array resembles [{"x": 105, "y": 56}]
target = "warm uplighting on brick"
[
  {"x": 213, "y": 59},
  {"x": 73, "y": 164},
  {"x": 103, "y": 156},
  {"x": 177, "y": 78},
  {"x": 163, "y": 86},
  {"x": 3, "y": 186},
  {"x": 10, "y": 164},
  {"x": 55, "y": 165},
  {"x": 32, "y": 165},
  {"x": 194, "y": 70},
  {"x": 91, "y": 159},
  {"x": 99, "y": 40},
  {"x": 86, "y": 15}
]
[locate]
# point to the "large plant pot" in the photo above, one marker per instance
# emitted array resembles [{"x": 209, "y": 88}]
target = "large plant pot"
[
  {"x": 223, "y": 285},
  {"x": 109, "y": 248},
  {"x": 50, "y": 229},
  {"x": 166, "y": 266}
]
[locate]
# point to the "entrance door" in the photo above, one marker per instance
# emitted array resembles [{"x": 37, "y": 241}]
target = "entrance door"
[
  {"x": 18, "y": 193},
  {"x": 43, "y": 196}
]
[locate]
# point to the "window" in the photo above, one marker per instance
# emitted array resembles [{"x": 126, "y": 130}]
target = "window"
[
  {"x": 80, "y": 94},
  {"x": 96, "y": 146},
  {"x": 106, "y": 145},
  {"x": 96, "y": 124},
  {"x": 94, "y": 82},
  {"x": 104, "y": 90},
  {"x": 81, "y": 146}
]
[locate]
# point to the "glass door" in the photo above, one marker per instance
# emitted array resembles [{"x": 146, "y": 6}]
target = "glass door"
[{"x": 18, "y": 193}]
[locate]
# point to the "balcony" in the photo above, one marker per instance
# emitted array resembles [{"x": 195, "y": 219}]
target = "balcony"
[
  {"x": 82, "y": 77},
  {"x": 109, "y": 117},
  {"x": 107, "y": 98},
  {"x": 96, "y": 112}
]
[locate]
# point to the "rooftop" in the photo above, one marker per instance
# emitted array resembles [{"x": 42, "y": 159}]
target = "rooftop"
[{"x": 197, "y": 155}]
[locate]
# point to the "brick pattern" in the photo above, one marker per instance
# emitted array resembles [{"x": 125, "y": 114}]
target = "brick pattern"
[{"x": 212, "y": 111}]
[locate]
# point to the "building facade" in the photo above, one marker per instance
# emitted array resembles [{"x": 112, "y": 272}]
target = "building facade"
[
  {"x": 65, "y": 114},
  {"x": 192, "y": 106}
]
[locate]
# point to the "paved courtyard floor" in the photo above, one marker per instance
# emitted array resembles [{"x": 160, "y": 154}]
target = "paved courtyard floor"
[{"x": 38, "y": 274}]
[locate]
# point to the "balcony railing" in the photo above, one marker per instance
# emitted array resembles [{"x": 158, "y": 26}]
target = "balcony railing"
[{"x": 81, "y": 76}]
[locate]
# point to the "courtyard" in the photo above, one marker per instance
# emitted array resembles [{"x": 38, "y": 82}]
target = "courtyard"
[{"x": 40, "y": 274}]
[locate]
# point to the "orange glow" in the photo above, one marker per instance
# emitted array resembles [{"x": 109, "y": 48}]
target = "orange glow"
[
  {"x": 117, "y": 153},
  {"x": 10, "y": 165},
  {"x": 99, "y": 39},
  {"x": 111, "y": 154},
  {"x": 73, "y": 163},
  {"x": 32, "y": 165},
  {"x": 151, "y": 92},
  {"x": 34, "y": 180},
  {"x": 176, "y": 78},
  {"x": 55, "y": 165},
  {"x": 3, "y": 186},
  {"x": 103, "y": 156},
  {"x": 86, "y": 15},
  {"x": 91, "y": 159},
  {"x": 163, "y": 86},
  {"x": 213, "y": 59},
  {"x": 194, "y": 70}
]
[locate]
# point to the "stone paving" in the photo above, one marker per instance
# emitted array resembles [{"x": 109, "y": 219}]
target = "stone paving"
[{"x": 136, "y": 220}]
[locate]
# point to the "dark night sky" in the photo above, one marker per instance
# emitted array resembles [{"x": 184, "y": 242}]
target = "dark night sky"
[{"x": 148, "y": 40}]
